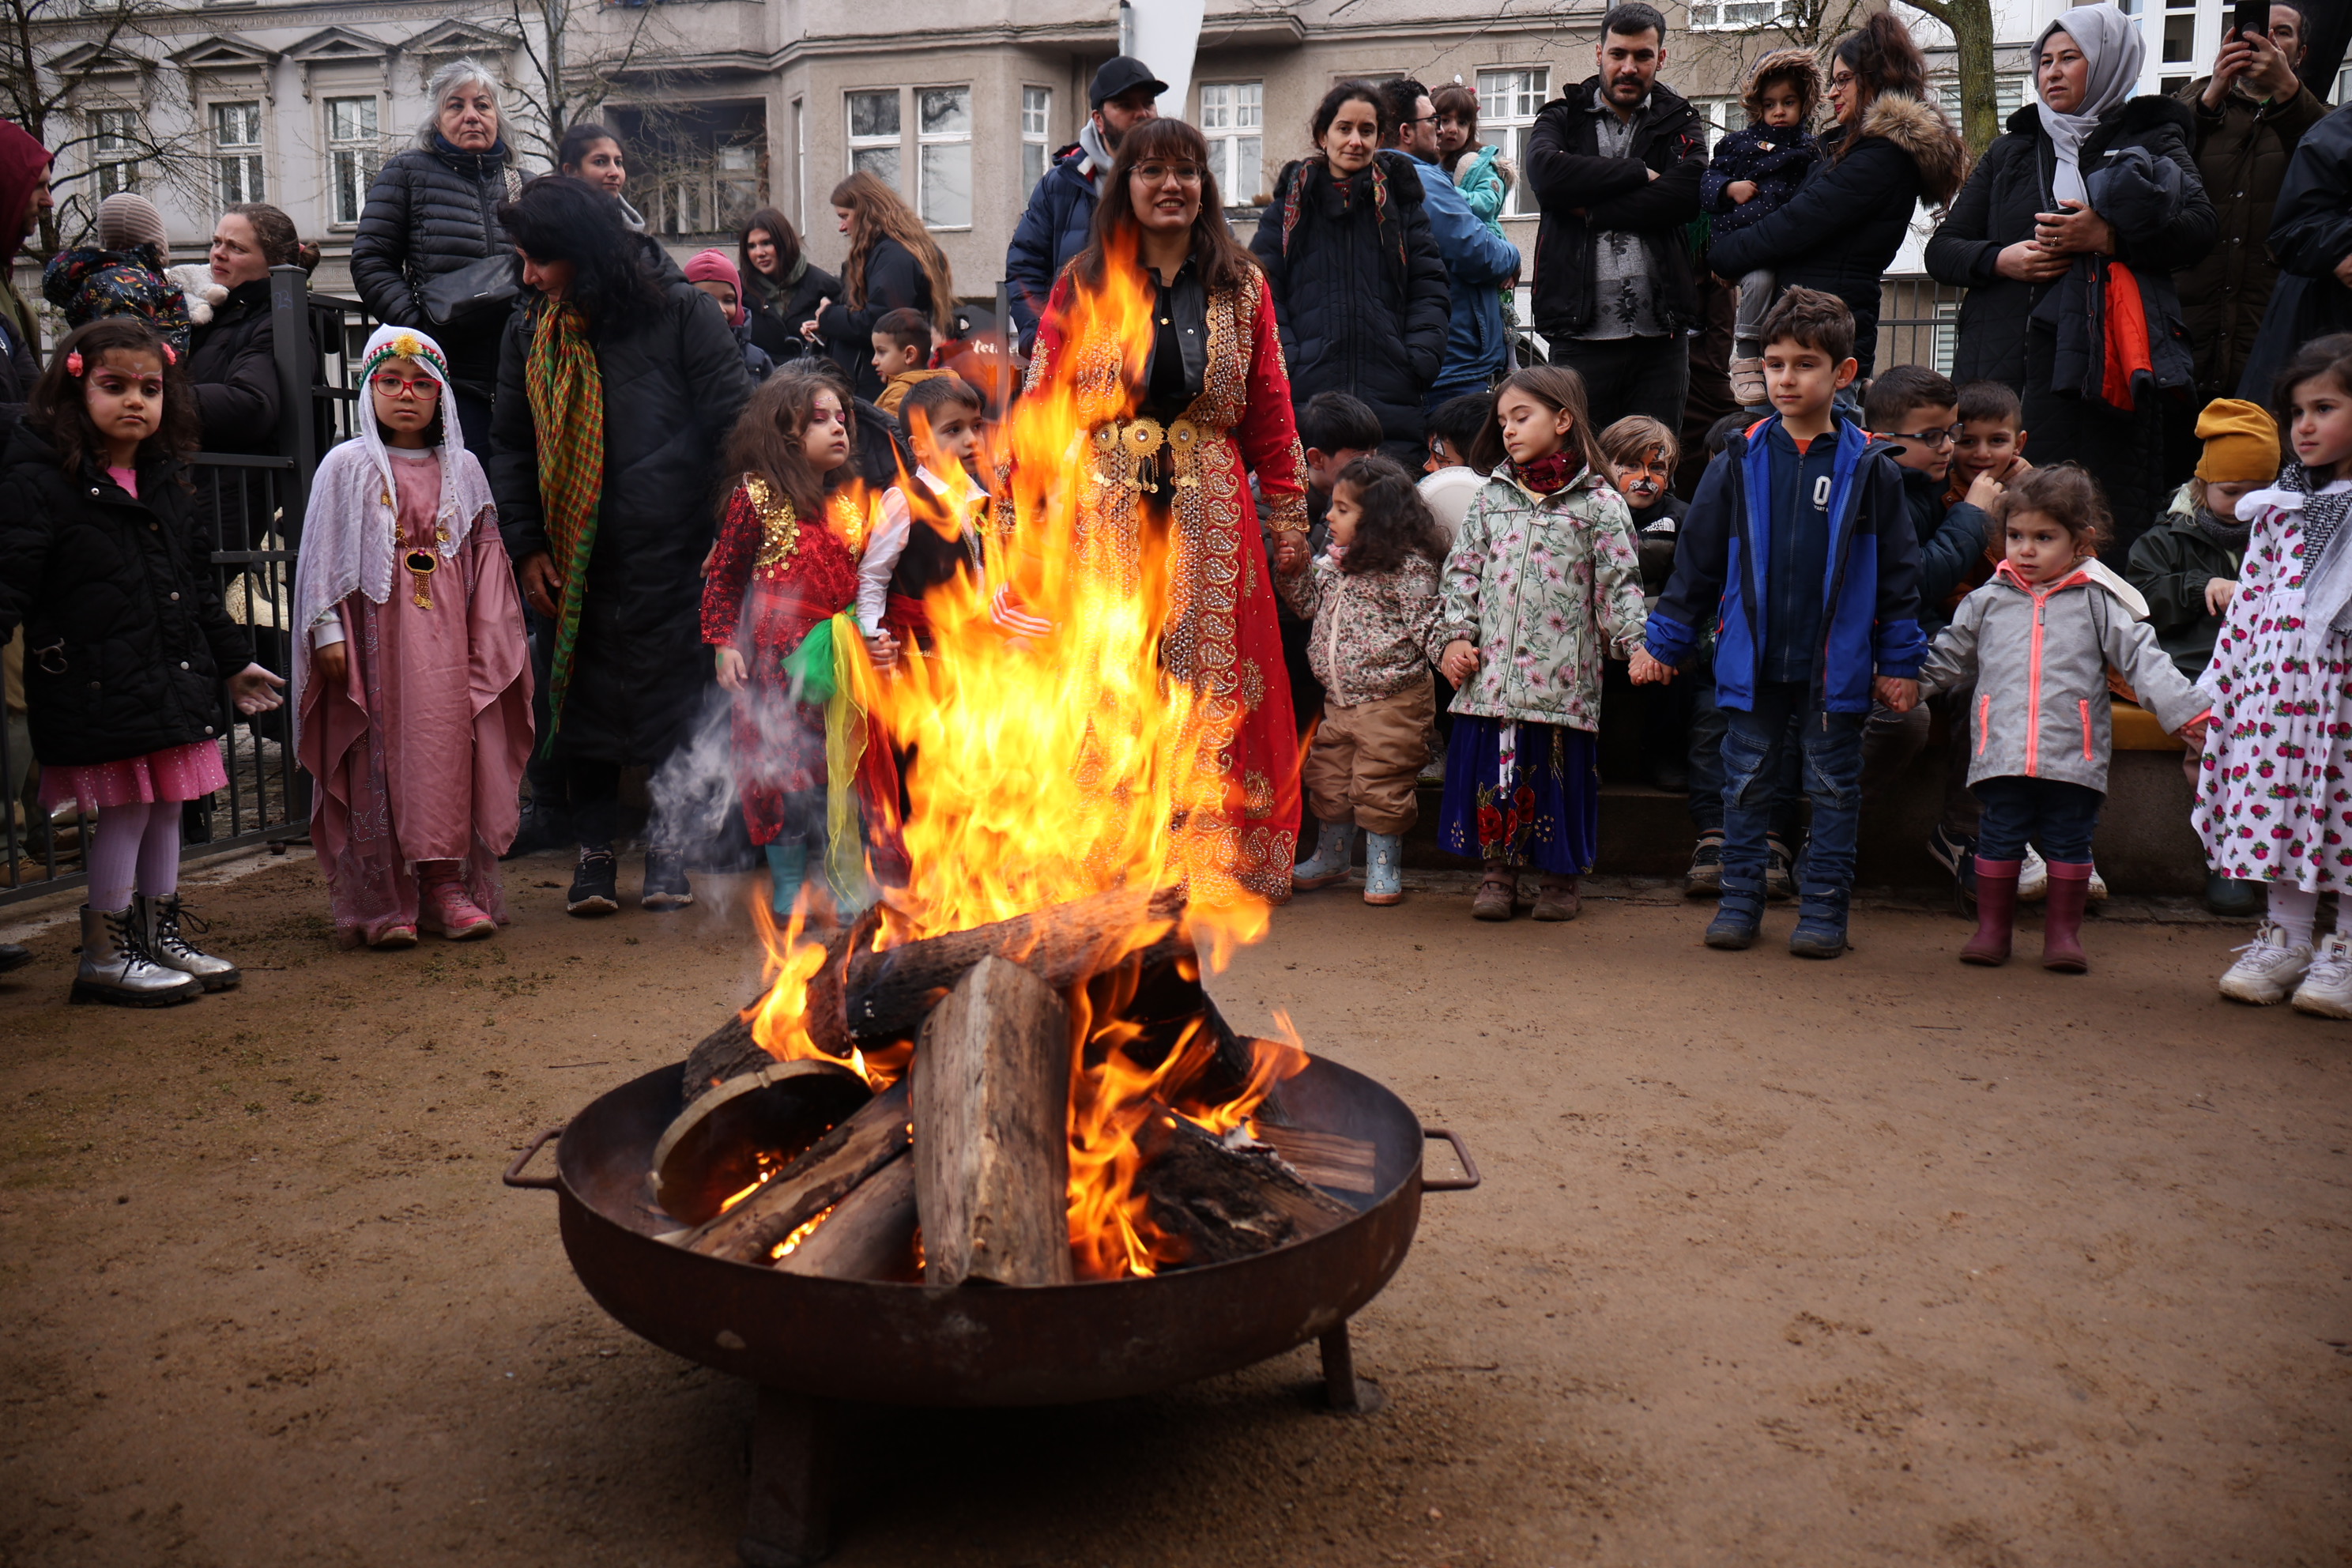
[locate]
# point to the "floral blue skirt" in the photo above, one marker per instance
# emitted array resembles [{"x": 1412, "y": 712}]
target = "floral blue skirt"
[{"x": 1525, "y": 795}]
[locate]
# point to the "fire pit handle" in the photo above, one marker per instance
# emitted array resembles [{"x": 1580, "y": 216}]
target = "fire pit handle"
[
  {"x": 1447, "y": 1184},
  {"x": 515, "y": 1178}
]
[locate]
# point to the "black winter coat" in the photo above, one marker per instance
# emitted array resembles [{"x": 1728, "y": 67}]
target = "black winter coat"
[
  {"x": 776, "y": 320},
  {"x": 431, "y": 211},
  {"x": 2311, "y": 232},
  {"x": 893, "y": 281},
  {"x": 1566, "y": 170},
  {"x": 18, "y": 369},
  {"x": 1840, "y": 231},
  {"x": 126, "y": 640},
  {"x": 233, "y": 367},
  {"x": 1996, "y": 209},
  {"x": 674, "y": 382},
  {"x": 1360, "y": 296}
]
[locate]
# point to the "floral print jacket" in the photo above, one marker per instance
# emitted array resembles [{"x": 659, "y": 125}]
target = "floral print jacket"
[
  {"x": 1533, "y": 583},
  {"x": 1370, "y": 636}
]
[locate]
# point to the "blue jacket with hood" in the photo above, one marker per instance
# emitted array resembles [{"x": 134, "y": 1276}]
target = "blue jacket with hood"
[
  {"x": 1053, "y": 228},
  {"x": 1477, "y": 260},
  {"x": 1871, "y": 595}
]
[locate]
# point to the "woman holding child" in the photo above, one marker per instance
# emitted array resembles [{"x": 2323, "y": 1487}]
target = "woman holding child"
[{"x": 1210, "y": 401}]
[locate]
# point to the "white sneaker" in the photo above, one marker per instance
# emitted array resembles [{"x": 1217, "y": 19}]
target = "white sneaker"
[
  {"x": 2033, "y": 877},
  {"x": 2270, "y": 970},
  {"x": 2097, "y": 892},
  {"x": 2326, "y": 990}
]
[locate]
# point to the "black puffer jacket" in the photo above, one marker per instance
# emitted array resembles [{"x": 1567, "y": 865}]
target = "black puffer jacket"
[
  {"x": 2311, "y": 233},
  {"x": 233, "y": 367},
  {"x": 1996, "y": 209},
  {"x": 1582, "y": 190},
  {"x": 1360, "y": 296},
  {"x": 777, "y": 314},
  {"x": 893, "y": 281},
  {"x": 1841, "y": 230},
  {"x": 126, "y": 642},
  {"x": 431, "y": 211},
  {"x": 674, "y": 382}
]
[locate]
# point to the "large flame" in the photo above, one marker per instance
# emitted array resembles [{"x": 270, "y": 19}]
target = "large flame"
[{"x": 1059, "y": 764}]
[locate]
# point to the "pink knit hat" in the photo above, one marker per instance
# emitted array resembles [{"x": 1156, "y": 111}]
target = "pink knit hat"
[{"x": 712, "y": 266}]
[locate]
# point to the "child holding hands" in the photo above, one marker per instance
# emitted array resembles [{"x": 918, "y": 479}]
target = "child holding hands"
[
  {"x": 1543, "y": 579},
  {"x": 126, "y": 643},
  {"x": 1371, "y": 596},
  {"x": 2035, "y": 645}
]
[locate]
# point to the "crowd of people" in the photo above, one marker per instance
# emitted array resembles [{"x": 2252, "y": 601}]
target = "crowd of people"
[{"x": 600, "y": 507}]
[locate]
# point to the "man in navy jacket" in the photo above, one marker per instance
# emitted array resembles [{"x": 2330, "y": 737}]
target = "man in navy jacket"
[
  {"x": 1061, "y": 211},
  {"x": 1477, "y": 260}
]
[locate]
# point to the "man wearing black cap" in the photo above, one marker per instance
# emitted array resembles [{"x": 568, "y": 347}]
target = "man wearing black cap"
[{"x": 1062, "y": 208}]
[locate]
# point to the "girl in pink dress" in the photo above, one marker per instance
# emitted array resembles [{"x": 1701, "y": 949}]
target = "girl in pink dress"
[
  {"x": 414, "y": 684},
  {"x": 127, "y": 644}
]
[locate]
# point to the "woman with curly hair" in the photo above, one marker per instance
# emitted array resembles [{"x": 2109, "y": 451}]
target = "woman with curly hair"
[{"x": 894, "y": 264}]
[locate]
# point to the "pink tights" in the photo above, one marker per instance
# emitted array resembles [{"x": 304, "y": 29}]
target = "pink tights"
[{"x": 136, "y": 844}]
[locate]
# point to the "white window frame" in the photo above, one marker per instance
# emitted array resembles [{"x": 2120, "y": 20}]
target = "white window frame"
[
  {"x": 246, "y": 158},
  {"x": 1509, "y": 98},
  {"x": 2008, "y": 95},
  {"x": 895, "y": 142},
  {"x": 800, "y": 164},
  {"x": 945, "y": 139},
  {"x": 1036, "y": 135},
  {"x": 1237, "y": 116},
  {"x": 357, "y": 156},
  {"x": 1735, "y": 16},
  {"x": 110, "y": 170}
]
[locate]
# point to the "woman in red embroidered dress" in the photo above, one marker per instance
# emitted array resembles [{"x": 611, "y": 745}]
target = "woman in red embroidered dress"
[
  {"x": 1172, "y": 433},
  {"x": 804, "y": 542}
]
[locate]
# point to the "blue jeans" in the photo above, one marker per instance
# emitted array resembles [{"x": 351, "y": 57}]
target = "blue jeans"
[
  {"x": 1756, "y": 746},
  {"x": 1707, "y": 723},
  {"x": 2056, "y": 818}
]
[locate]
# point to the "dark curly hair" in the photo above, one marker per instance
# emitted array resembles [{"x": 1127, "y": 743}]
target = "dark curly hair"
[
  {"x": 557, "y": 218},
  {"x": 2067, "y": 495},
  {"x": 60, "y": 408},
  {"x": 1356, "y": 90},
  {"x": 766, "y": 439},
  {"x": 1396, "y": 522}
]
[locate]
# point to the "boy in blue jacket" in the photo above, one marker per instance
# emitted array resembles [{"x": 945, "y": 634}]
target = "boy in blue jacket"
[{"x": 1799, "y": 548}]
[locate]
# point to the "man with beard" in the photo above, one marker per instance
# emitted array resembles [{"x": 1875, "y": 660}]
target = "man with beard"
[
  {"x": 1478, "y": 260},
  {"x": 1061, "y": 212},
  {"x": 1615, "y": 166}
]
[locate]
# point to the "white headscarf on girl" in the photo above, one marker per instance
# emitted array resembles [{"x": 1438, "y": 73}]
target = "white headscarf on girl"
[
  {"x": 349, "y": 541},
  {"x": 2112, "y": 48}
]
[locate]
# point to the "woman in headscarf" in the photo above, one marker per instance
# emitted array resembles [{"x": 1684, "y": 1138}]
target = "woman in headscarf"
[
  {"x": 617, "y": 382},
  {"x": 2025, "y": 214}
]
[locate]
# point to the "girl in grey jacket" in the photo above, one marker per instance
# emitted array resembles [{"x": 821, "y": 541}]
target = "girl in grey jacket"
[{"x": 2037, "y": 642}]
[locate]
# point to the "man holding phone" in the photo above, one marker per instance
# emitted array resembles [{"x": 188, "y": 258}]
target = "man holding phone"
[{"x": 2250, "y": 114}]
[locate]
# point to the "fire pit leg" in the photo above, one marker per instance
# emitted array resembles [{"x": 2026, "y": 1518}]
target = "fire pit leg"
[
  {"x": 786, "y": 1524},
  {"x": 1343, "y": 1389}
]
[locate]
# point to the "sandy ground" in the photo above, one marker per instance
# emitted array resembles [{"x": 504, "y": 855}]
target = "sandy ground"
[{"x": 1877, "y": 1261}]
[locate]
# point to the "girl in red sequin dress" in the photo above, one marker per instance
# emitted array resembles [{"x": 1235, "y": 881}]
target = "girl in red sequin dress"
[{"x": 793, "y": 606}]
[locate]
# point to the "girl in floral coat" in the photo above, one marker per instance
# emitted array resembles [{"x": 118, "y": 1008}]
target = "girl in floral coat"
[{"x": 1543, "y": 569}]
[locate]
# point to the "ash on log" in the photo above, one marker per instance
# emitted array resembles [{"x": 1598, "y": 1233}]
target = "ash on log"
[
  {"x": 829, "y": 1172},
  {"x": 992, "y": 1102}
]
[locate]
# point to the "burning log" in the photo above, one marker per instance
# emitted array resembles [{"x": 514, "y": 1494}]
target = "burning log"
[
  {"x": 828, "y": 1173},
  {"x": 1222, "y": 1202},
  {"x": 722, "y": 1142},
  {"x": 869, "y": 1234},
  {"x": 992, "y": 1093}
]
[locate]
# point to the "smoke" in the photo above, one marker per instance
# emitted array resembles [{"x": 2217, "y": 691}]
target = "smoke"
[{"x": 695, "y": 811}]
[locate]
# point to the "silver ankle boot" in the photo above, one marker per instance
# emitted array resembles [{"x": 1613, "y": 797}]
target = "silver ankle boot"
[
  {"x": 159, "y": 927},
  {"x": 115, "y": 967}
]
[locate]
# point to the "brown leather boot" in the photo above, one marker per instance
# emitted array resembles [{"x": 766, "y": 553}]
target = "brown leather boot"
[
  {"x": 1497, "y": 893},
  {"x": 1557, "y": 898},
  {"x": 1996, "y": 913}
]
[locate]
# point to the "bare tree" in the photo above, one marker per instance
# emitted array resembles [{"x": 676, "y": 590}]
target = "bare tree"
[
  {"x": 582, "y": 59},
  {"x": 1970, "y": 24}
]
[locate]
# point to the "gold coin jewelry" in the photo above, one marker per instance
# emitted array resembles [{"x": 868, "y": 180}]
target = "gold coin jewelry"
[{"x": 422, "y": 564}]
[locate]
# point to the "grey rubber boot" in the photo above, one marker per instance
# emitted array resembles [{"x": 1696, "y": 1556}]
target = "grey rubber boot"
[{"x": 115, "y": 967}]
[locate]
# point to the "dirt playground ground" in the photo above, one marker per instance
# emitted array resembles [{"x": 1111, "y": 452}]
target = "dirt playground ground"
[{"x": 1880, "y": 1261}]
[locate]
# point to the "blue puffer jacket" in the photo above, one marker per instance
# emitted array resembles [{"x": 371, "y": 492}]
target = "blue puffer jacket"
[
  {"x": 1871, "y": 590},
  {"x": 1476, "y": 259},
  {"x": 1061, "y": 213}
]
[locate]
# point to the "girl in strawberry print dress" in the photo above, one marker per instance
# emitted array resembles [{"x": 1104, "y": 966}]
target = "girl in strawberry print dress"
[{"x": 2275, "y": 802}]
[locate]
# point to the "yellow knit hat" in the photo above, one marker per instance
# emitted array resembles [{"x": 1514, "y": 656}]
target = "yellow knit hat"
[{"x": 2241, "y": 444}]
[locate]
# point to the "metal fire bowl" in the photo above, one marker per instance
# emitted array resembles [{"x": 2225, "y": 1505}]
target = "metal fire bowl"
[{"x": 924, "y": 1345}]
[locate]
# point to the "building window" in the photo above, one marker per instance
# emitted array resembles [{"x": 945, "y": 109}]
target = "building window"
[
  {"x": 1722, "y": 115},
  {"x": 236, "y": 148},
  {"x": 698, "y": 169},
  {"x": 1233, "y": 117},
  {"x": 943, "y": 130},
  {"x": 1507, "y": 102},
  {"x": 874, "y": 135},
  {"x": 350, "y": 157},
  {"x": 2007, "y": 96},
  {"x": 1036, "y": 141},
  {"x": 1712, "y": 16},
  {"x": 114, "y": 150}
]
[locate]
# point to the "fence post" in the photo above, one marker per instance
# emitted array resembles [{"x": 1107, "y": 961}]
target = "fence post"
[{"x": 298, "y": 437}]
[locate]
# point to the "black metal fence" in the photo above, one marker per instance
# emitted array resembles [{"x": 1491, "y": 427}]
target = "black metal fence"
[{"x": 249, "y": 508}]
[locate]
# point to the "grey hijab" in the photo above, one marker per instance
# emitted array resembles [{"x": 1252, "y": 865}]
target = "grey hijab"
[{"x": 2111, "y": 43}]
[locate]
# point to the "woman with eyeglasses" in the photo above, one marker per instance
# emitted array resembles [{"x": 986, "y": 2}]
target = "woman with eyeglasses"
[
  {"x": 1359, "y": 285},
  {"x": 1890, "y": 149},
  {"x": 410, "y": 675},
  {"x": 1174, "y": 437}
]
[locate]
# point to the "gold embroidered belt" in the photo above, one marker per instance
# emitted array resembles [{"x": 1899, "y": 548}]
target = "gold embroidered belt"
[{"x": 1157, "y": 454}]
